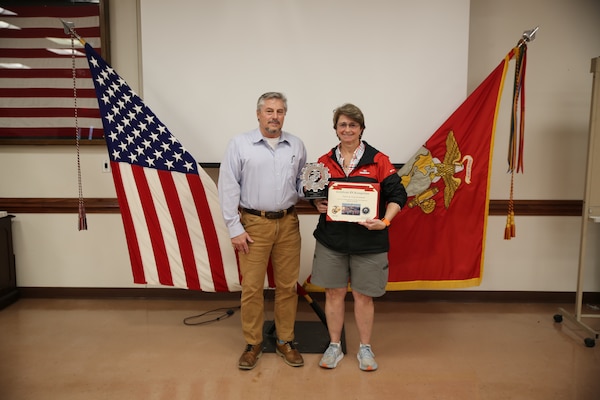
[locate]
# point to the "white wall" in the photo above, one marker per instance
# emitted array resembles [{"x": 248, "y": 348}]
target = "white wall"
[
  {"x": 51, "y": 252},
  {"x": 221, "y": 55},
  {"x": 545, "y": 253}
]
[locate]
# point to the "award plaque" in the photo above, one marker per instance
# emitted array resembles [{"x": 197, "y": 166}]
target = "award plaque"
[
  {"x": 352, "y": 202},
  {"x": 315, "y": 177}
]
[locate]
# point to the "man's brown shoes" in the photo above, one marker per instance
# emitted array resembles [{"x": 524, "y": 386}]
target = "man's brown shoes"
[
  {"x": 287, "y": 351},
  {"x": 290, "y": 355},
  {"x": 250, "y": 356}
]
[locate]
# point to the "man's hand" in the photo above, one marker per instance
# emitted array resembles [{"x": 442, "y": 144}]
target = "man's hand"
[{"x": 240, "y": 243}]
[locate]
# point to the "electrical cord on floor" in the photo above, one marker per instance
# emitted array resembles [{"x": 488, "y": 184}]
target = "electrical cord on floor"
[{"x": 223, "y": 313}]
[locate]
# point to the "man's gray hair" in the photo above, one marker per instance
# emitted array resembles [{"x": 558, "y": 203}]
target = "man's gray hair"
[{"x": 271, "y": 95}]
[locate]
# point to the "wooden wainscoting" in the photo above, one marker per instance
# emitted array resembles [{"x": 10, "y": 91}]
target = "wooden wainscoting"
[{"x": 111, "y": 206}]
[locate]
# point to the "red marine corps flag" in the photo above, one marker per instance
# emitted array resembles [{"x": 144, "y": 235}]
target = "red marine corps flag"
[{"x": 438, "y": 239}]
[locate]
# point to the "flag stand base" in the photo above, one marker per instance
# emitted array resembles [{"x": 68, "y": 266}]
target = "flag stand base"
[{"x": 311, "y": 337}]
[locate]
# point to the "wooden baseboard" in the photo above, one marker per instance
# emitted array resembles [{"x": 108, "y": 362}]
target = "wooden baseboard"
[{"x": 461, "y": 296}]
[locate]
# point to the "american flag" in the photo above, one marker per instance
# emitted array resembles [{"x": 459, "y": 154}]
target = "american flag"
[
  {"x": 173, "y": 224},
  {"x": 36, "y": 74}
]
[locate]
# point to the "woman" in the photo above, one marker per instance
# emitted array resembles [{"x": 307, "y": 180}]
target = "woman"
[{"x": 354, "y": 253}]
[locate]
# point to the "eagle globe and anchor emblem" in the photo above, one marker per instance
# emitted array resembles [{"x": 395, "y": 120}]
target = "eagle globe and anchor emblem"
[
  {"x": 315, "y": 178},
  {"x": 423, "y": 170}
]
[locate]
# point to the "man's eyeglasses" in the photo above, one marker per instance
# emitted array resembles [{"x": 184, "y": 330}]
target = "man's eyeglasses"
[{"x": 351, "y": 125}]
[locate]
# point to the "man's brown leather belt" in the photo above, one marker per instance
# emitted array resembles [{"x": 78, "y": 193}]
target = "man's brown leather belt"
[{"x": 269, "y": 214}]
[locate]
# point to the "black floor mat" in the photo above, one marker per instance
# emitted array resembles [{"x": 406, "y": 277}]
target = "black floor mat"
[{"x": 311, "y": 337}]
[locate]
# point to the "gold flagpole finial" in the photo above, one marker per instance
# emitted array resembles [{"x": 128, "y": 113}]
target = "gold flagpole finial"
[
  {"x": 528, "y": 36},
  {"x": 70, "y": 30}
]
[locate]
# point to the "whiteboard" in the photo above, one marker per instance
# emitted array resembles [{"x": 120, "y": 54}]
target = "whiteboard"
[
  {"x": 205, "y": 63},
  {"x": 592, "y": 196}
]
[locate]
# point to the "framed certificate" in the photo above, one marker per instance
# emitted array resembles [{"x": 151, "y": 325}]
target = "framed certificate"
[{"x": 352, "y": 202}]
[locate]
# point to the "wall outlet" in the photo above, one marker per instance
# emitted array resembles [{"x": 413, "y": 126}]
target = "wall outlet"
[{"x": 106, "y": 165}]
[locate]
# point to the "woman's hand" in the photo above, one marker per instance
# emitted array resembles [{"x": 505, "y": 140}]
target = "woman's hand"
[
  {"x": 321, "y": 205},
  {"x": 373, "y": 224}
]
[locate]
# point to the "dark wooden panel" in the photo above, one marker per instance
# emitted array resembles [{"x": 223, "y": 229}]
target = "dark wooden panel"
[
  {"x": 43, "y": 205},
  {"x": 8, "y": 278}
]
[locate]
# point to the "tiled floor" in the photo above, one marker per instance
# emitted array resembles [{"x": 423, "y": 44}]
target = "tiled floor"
[{"x": 141, "y": 349}]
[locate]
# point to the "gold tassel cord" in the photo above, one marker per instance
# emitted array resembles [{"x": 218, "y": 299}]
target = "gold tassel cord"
[
  {"x": 82, "y": 222},
  {"x": 510, "y": 229},
  {"x": 517, "y": 127},
  {"x": 515, "y": 151}
]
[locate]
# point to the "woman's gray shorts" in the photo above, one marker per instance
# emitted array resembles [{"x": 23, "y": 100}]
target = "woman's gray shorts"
[{"x": 366, "y": 273}]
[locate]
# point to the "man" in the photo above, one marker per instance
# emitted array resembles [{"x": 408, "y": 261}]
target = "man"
[{"x": 259, "y": 186}]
